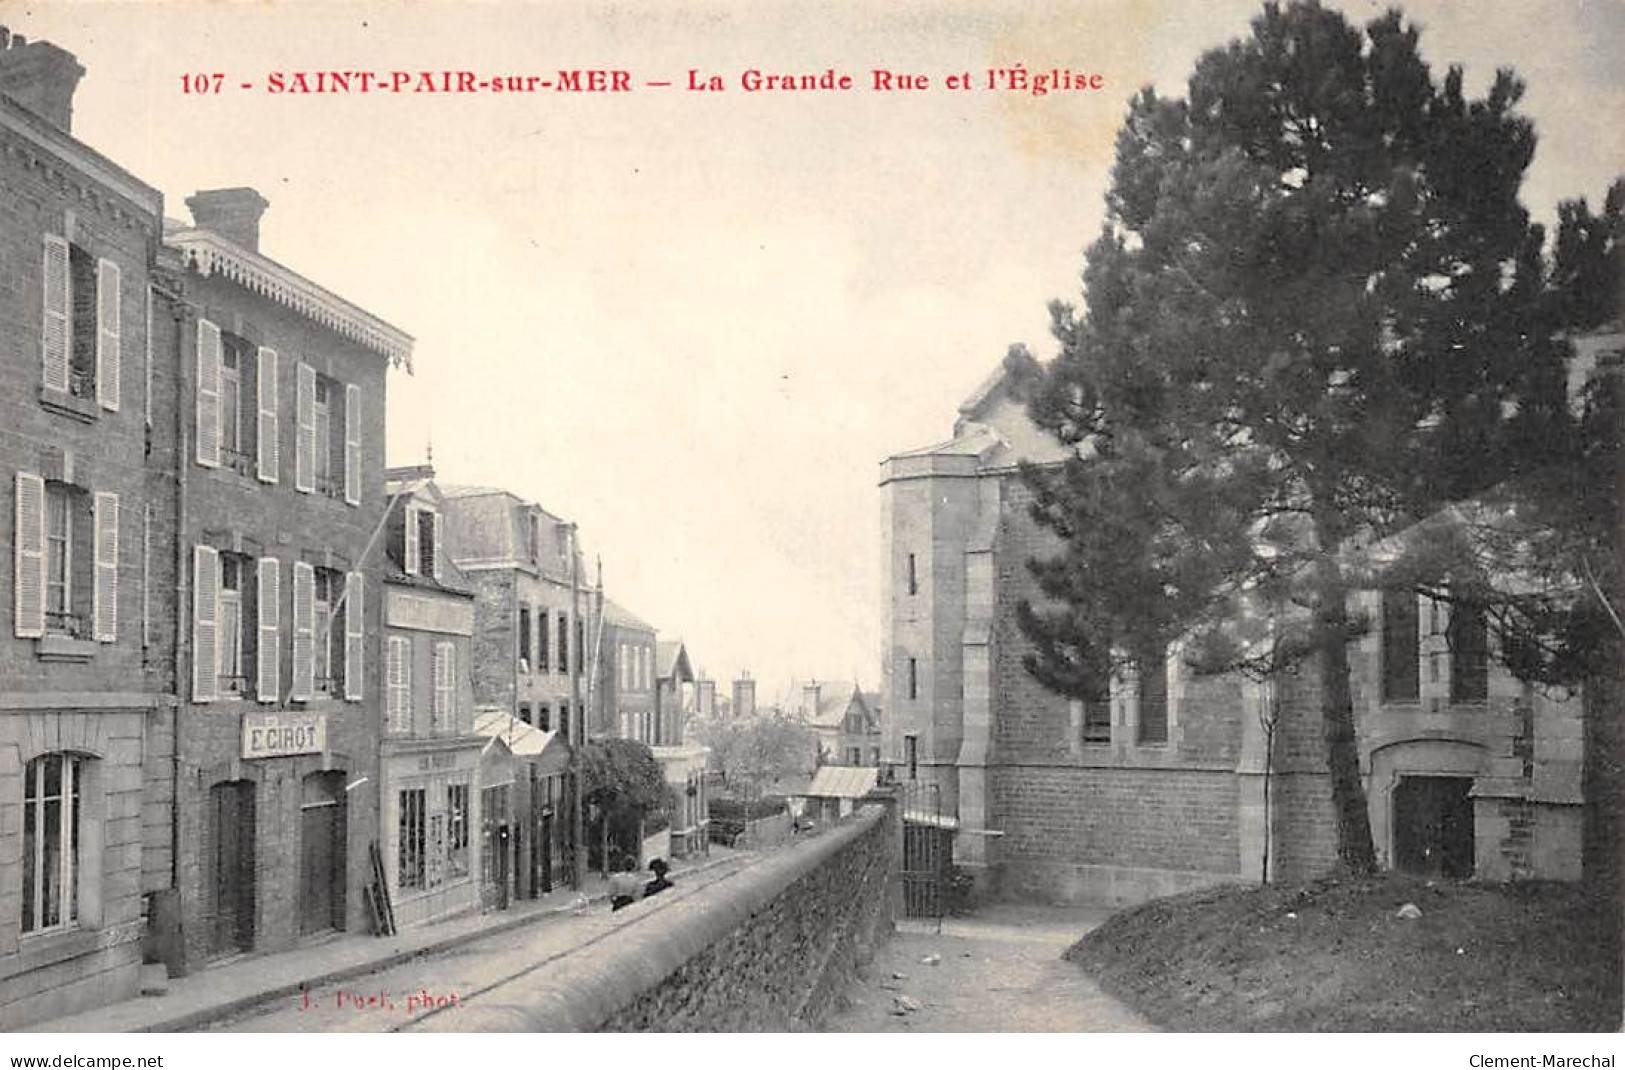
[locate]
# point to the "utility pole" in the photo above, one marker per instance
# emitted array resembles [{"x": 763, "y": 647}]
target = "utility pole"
[{"x": 578, "y": 729}]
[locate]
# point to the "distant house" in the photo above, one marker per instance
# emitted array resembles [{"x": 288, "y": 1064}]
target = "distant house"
[
  {"x": 835, "y": 791},
  {"x": 844, "y": 718}
]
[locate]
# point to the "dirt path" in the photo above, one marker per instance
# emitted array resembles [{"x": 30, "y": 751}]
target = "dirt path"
[{"x": 1000, "y": 971}]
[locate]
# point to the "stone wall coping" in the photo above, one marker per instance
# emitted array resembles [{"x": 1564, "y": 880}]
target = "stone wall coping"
[{"x": 584, "y": 989}]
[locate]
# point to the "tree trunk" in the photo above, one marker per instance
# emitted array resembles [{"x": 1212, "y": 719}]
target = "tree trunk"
[{"x": 1354, "y": 849}]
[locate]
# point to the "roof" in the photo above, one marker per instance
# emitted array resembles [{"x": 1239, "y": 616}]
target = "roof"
[
  {"x": 834, "y": 699},
  {"x": 621, "y": 617},
  {"x": 208, "y": 253},
  {"x": 525, "y": 741},
  {"x": 670, "y": 656},
  {"x": 842, "y": 782}
]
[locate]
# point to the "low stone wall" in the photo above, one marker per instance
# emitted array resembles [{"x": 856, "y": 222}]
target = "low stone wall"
[{"x": 767, "y": 948}]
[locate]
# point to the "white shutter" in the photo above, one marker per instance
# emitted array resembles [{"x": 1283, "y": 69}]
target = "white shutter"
[
  {"x": 304, "y": 631},
  {"x": 205, "y": 622},
  {"x": 55, "y": 331},
  {"x": 304, "y": 445},
  {"x": 354, "y": 636},
  {"x": 412, "y": 548},
  {"x": 269, "y": 448},
  {"x": 434, "y": 561},
  {"x": 268, "y": 651},
  {"x": 442, "y": 684},
  {"x": 399, "y": 677},
  {"x": 208, "y": 394},
  {"x": 146, "y": 370},
  {"x": 104, "y": 593},
  {"x": 352, "y": 444},
  {"x": 109, "y": 337},
  {"x": 29, "y": 549}
]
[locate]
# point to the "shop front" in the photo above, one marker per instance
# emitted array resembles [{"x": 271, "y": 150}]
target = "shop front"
[{"x": 431, "y": 852}]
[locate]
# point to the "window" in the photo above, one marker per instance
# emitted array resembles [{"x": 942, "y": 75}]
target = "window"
[
  {"x": 854, "y": 756},
  {"x": 544, "y": 717},
  {"x": 421, "y": 528},
  {"x": 322, "y": 430},
  {"x": 398, "y": 684},
  {"x": 1401, "y": 652},
  {"x": 232, "y": 643},
  {"x": 413, "y": 840},
  {"x": 51, "y": 820},
  {"x": 535, "y": 537},
  {"x": 1469, "y": 653},
  {"x": 564, "y": 720},
  {"x": 564, "y": 643},
  {"x": 329, "y": 588},
  {"x": 541, "y": 640},
  {"x": 1153, "y": 700},
  {"x": 1097, "y": 707},
  {"x": 60, "y": 618},
  {"x": 913, "y": 678},
  {"x": 232, "y": 446},
  {"x": 81, "y": 336},
  {"x": 457, "y": 831},
  {"x": 581, "y": 642},
  {"x": 911, "y": 756},
  {"x": 524, "y": 639},
  {"x": 913, "y": 577},
  {"x": 874, "y": 755},
  {"x": 524, "y": 712}
]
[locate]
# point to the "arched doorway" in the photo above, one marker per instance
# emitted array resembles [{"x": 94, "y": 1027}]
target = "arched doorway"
[
  {"x": 232, "y": 882},
  {"x": 322, "y": 853}
]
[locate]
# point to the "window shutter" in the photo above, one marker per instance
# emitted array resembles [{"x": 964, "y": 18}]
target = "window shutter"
[
  {"x": 269, "y": 448},
  {"x": 397, "y": 679},
  {"x": 146, "y": 370},
  {"x": 104, "y": 594},
  {"x": 208, "y": 394},
  {"x": 434, "y": 560},
  {"x": 55, "y": 330},
  {"x": 205, "y": 622},
  {"x": 304, "y": 631},
  {"x": 354, "y": 636},
  {"x": 109, "y": 365},
  {"x": 29, "y": 549},
  {"x": 268, "y": 654},
  {"x": 304, "y": 446},
  {"x": 438, "y": 657},
  {"x": 412, "y": 548},
  {"x": 352, "y": 444}
]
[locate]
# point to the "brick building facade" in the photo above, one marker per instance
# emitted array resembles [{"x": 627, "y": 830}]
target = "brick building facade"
[
  {"x": 281, "y": 389},
  {"x": 86, "y": 654},
  {"x": 1161, "y": 788}
]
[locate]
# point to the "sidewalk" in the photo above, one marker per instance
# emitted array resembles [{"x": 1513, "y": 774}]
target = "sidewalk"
[{"x": 219, "y": 991}]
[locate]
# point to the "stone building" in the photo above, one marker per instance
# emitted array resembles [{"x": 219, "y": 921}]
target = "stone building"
[
  {"x": 86, "y": 662},
  {"x": 531, "y": 631},
  {"x": 281, "y": 388},
  {"x": 1161, "y": 788},
  {"x": 430, "y": 751},
  {"x": 843, "y": 717}
]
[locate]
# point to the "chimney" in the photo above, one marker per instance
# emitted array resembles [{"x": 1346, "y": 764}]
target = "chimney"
[
  {"x": 809, "y": 699},
  {"x": 39, "y": 76},
  {"x": 234, "y": 214},
  {"x": 744, "y": 697}
]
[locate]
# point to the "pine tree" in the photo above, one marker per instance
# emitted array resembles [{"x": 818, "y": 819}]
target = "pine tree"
[{"x": 1308, "y": 321}]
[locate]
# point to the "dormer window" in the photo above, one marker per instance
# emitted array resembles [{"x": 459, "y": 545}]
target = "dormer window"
[
  {"x": 422, "y": 541},
  {"x": 536, "y": 537}
]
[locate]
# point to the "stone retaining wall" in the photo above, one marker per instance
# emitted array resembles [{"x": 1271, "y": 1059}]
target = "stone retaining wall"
[{"x": 767, "y": 948}]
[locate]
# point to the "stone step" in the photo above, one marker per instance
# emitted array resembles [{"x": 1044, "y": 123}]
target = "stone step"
[{"x": 154, "y": 979}]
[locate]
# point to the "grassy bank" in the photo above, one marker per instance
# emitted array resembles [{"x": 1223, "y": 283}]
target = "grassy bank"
[{"x": 1333, "y": 955}]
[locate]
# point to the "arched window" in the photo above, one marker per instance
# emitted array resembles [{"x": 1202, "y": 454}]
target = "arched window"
[{"x": 51, "y": 820}]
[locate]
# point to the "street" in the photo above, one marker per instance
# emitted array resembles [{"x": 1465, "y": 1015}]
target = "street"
[{"x": 441, "y": 983}]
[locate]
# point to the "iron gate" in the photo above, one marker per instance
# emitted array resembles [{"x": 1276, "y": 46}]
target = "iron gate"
[{"x": 927, "y": 852}]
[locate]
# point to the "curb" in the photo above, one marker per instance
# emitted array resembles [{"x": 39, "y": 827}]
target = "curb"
[{"x": 192, "y": 1020}]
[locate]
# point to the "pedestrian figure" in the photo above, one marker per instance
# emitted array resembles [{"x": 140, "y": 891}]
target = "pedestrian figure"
[
  {"x": 660, "y": 883},
  {"x": 624, "y": 886}
]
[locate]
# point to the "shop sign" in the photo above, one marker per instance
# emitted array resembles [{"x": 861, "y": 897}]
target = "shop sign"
[{"x": 284, "y": 733}]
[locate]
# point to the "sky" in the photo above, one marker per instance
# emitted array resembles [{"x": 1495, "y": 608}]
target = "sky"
[{"x": 695, "y": 323}]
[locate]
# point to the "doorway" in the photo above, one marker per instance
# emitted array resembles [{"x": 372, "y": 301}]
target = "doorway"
[
  {"x": 231, "y": 838},
  {"x": 1433, "y": 826},
  {"x": 322, "y": 853}
]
